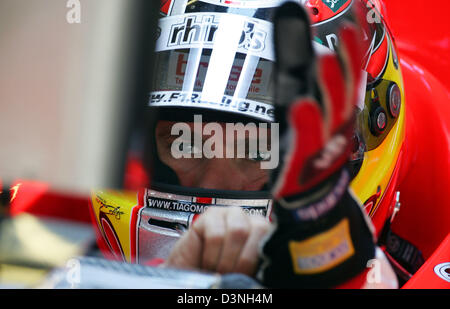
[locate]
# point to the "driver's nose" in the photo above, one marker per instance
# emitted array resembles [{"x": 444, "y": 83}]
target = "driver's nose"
[{"x": 222, "y": 174}]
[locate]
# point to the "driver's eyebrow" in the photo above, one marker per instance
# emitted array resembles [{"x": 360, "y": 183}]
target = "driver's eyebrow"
[{"x": 165, "y": 134}]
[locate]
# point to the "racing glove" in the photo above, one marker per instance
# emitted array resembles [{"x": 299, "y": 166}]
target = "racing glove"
[{"x": 321, "y": 236}]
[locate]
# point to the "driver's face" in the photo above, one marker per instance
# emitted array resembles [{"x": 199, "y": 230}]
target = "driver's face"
[{"x": 215, "y": 173}]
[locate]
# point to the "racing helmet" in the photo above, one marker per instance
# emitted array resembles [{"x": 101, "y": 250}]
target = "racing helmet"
[{"x": 214, "y": 64}]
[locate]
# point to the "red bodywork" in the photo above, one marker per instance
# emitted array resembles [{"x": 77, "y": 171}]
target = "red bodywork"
[{"x": 423, "y": 40}]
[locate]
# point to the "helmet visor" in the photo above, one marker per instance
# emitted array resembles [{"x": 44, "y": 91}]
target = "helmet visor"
[{"x": 215, "y": 61}]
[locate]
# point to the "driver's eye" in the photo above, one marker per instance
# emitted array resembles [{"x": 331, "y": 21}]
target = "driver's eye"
[
  {"x": 187, "y": 148},
  {"x": 259, "y": 156}
]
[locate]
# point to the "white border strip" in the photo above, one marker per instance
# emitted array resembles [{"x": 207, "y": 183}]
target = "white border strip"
[{"x": 249, "y": 108}]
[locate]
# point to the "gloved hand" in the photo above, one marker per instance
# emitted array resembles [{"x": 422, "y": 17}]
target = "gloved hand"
[{"x": 321, "y": 237}]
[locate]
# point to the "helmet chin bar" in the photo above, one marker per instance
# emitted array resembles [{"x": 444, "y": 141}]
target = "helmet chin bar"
[
  {"x": 166, "y": 216},
  {"x": 158, "y": 230}
]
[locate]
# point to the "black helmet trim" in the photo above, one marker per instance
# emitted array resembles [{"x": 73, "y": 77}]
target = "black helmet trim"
[{"x": 201, "y": 192}]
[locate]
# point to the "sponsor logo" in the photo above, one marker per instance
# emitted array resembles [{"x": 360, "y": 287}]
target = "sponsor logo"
[
  {"x": 249, "y": 108},
  {"x": 252, "y": 39},
  {"x": 202, "y": 29},
  {"x": 186, "y": 206},
  {"x": 178, "y": 62},
  {"x": 193, "y": 29},
  {"x": 324, "y": 251},
  {"x": 334, "y": 5},
  {"x": 199, "y": 30}
]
